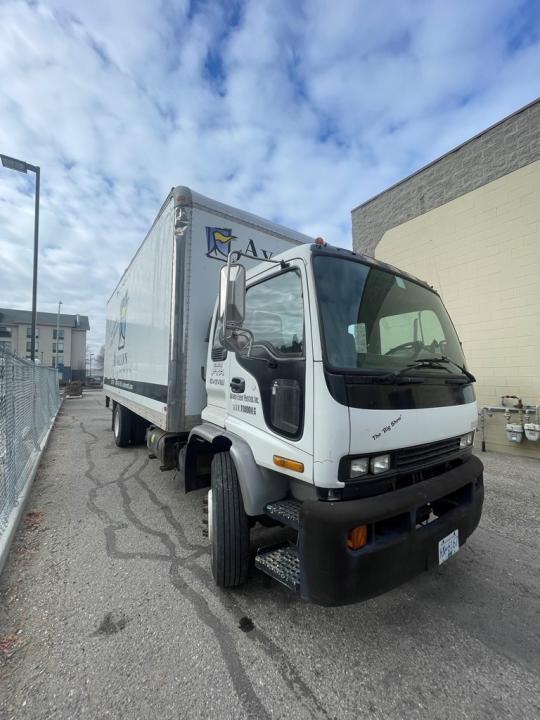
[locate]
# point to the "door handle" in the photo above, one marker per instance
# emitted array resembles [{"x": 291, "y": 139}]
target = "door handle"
[{"x": 238, "y": 385}]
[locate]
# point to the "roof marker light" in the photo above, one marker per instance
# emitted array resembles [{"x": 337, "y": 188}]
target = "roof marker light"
[{"x": 321, "y": 242}]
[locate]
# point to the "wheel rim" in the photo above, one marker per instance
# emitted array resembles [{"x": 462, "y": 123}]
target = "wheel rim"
[{"x": 116, "y": 423}]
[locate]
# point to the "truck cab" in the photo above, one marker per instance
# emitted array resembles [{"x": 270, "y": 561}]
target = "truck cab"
[{"x": 339, "y": 404}]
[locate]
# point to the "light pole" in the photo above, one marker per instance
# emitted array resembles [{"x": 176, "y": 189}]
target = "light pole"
[
  {"x": 21, "y": 166},
  {"x": 91, "y": 356},
  {"x": 57, "y": 332}
]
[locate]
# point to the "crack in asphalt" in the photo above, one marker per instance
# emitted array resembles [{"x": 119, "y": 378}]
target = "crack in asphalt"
[
  {"x": 288, "y": 671},
  {"x": 241, "y": 683},
  {"x": 243, "y": 686}
]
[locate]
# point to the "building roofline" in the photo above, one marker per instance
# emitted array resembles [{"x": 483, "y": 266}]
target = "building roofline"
[
  {"x": 447, "y": 154},
  {"x": 13, "y": 316}
]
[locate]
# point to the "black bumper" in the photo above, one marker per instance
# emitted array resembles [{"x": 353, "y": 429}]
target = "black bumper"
[{"x": 331, "y": 574}]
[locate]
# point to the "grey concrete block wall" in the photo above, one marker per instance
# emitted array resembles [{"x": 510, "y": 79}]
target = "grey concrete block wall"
[{"x": 507, "y": 146}]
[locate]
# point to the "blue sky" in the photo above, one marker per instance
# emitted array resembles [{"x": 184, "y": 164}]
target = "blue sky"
[{"x": 297, "y": 111}]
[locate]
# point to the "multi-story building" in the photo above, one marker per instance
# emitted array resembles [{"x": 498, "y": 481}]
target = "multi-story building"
[
  {"x": 469, "y": 224},
  {"x": 68, "y": 349}
]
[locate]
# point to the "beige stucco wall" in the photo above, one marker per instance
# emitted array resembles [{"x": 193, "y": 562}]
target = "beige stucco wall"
[{"x": 482, "y": 253}]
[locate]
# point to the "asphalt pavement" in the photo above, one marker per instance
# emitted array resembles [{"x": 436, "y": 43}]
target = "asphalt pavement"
[{"x": 108, "y": 608}]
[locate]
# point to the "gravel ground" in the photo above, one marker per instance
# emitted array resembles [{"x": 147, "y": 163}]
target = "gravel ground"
[{"x": 108, "y": 608}]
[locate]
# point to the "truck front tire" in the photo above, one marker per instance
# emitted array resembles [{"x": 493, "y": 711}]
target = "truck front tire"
[
  {"x": 122, "y": 422},
  {"x": 229, "y": 531}
]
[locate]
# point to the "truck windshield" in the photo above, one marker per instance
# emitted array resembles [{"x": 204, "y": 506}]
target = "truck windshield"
[{"x": 382, "y": 323}]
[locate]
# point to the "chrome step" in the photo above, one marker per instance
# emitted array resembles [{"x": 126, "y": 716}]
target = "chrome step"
[
  {"x": 281, "y": 563},
  {"x": 286, "y": 512}
]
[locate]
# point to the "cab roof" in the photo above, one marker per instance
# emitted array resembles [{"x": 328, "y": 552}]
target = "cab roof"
[
  {"x": 333, "y": 251},
  {"x": 306, "y": 250}
]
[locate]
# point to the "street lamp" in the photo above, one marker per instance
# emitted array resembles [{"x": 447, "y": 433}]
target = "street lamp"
[
  {"x": 21, "y": 166},
  {"x": 57, "y": 332}
]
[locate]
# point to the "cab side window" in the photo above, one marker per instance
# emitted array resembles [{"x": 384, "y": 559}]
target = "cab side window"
[{"x": 275, "y": 314}]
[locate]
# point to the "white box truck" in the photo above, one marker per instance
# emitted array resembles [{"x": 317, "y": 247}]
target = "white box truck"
[{"x": 303, "y": 385}]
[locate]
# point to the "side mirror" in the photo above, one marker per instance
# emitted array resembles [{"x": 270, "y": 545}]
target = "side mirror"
[
  {"x": 232, "y": 296},
  {"x": 232, "y": 304}
]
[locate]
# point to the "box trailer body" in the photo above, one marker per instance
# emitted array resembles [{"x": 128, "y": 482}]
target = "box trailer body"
[
  {"x": 159, "y": 314},
  {"x": 314, "y": 388}
]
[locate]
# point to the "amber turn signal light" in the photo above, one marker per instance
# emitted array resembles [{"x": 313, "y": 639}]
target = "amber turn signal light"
[
  {"x": 289, "y": 464},
  {"x": 357, "y": 537}
]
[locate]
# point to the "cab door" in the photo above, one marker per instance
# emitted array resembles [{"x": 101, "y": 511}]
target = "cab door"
[
  {"x": 216, "y": 376},
  {"x": 269, "y": 400}
]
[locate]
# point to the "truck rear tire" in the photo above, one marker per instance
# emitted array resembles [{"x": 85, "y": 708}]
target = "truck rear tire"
[
  {"x": 228, "y": 525},
  {"x": 122, "y": 425}
]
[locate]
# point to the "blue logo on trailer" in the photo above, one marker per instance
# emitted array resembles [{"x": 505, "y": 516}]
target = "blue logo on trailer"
[
  {"x": 122, "y": 324},
  {"x": 218, "y": 241}
]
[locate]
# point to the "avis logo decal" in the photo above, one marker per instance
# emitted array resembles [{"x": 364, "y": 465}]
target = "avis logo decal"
[
  {"x": 123, "y": 320},
  {"x": 218, "y": 241}
]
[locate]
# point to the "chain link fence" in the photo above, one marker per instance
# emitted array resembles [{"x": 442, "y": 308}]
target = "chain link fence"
[{"x": 29, "y": 401}]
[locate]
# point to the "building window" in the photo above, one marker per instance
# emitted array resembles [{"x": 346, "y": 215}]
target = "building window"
[
  {"x": 60, "y": 347},
  {"x": 60, "y": 334},
  {"x": 29, "y": 332},
  {"x": 5, "y": 332},
  {"x": 29, "y": 346}
]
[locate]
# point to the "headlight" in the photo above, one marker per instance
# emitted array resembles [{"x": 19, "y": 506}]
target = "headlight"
[
  {"x": 380, "y": 464},
  {"x": 466, "y": 440},
  {"x": 359, "y": 466}
]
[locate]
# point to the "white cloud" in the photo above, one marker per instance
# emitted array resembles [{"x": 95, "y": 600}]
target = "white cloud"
[{"x": 295, "y": 111}]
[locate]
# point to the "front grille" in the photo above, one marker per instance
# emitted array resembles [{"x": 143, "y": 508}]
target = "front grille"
[{"x": 425, "y": 454}]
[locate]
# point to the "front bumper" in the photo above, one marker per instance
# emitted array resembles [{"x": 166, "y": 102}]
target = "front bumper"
[{"x": 331, "y": 574}]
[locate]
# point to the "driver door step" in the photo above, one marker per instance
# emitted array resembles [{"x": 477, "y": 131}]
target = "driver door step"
[
  {"x": 281, "y": 563},
  {"x": 287, "y": 512}
]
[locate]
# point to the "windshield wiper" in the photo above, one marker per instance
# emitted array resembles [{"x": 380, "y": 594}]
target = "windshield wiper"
[
  {"x": 461, "y": 368},
  {"x": 419, "y": 362},
  {"x": 438, "y": 361}
]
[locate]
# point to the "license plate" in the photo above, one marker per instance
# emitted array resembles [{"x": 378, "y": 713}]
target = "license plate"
[{"x": 448, "y": 546}]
